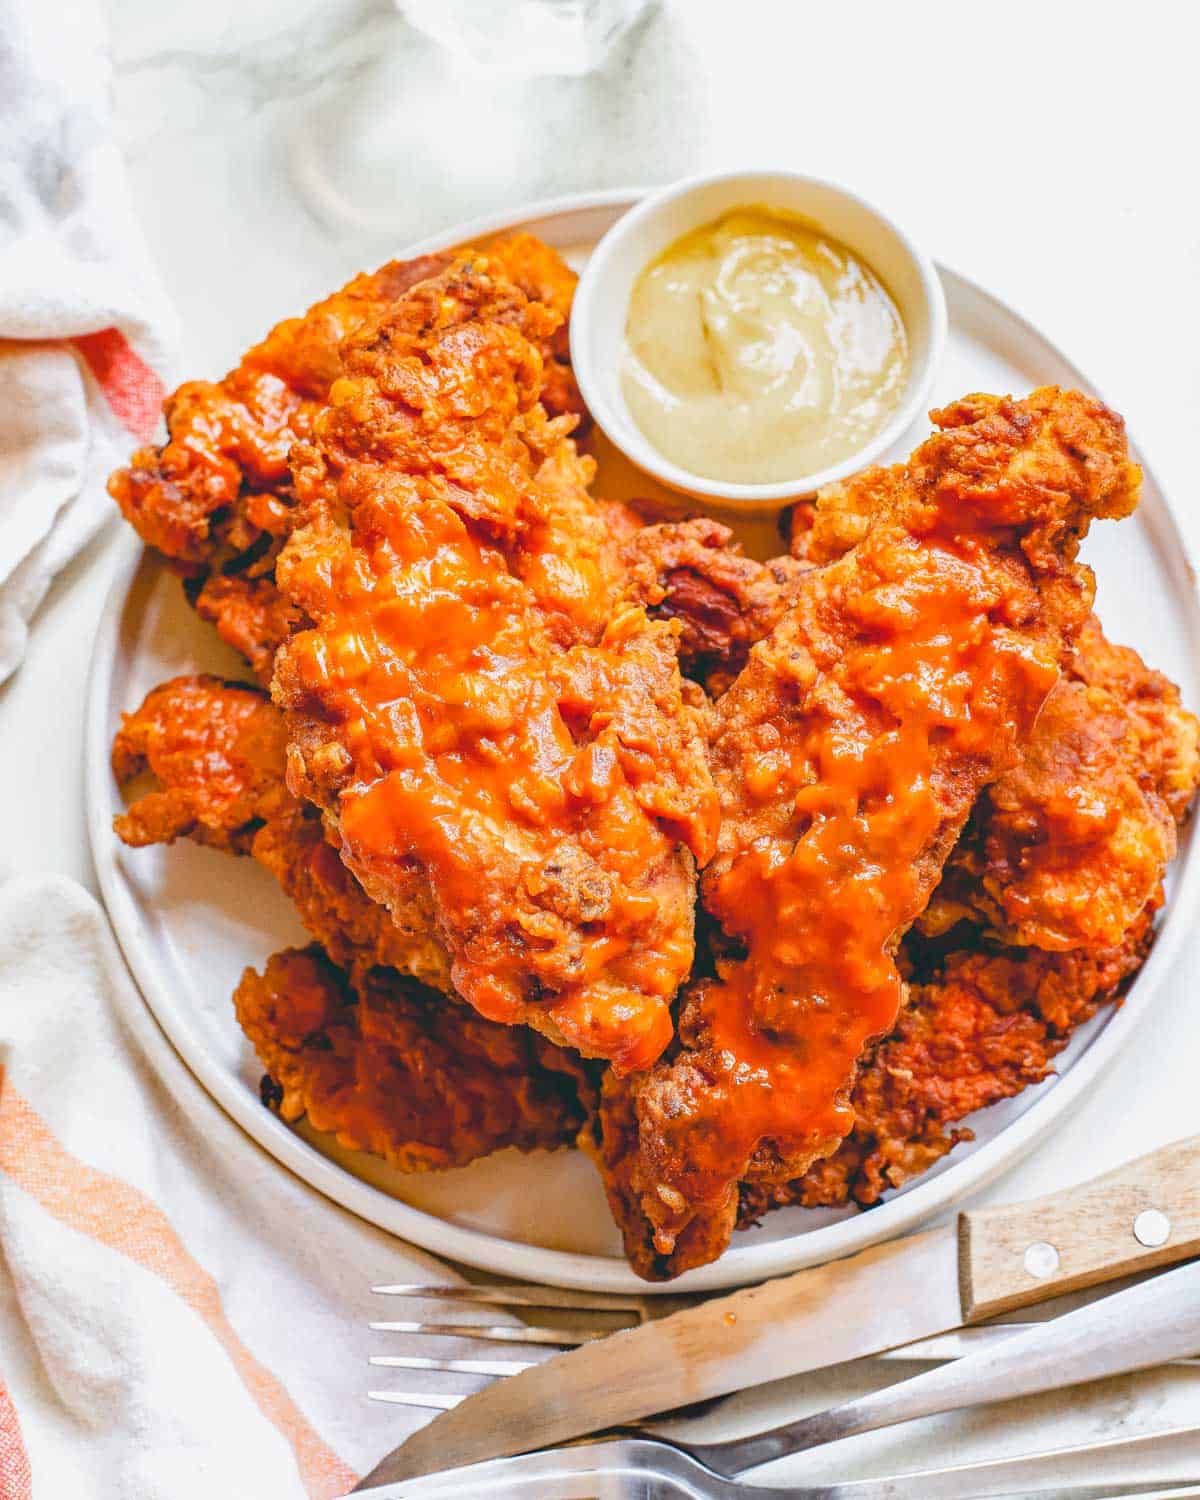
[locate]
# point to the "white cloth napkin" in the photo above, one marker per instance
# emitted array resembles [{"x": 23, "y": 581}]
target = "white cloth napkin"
[
  {"x": 180, "y": 1317},
  {"x": 84, "y": 323}
]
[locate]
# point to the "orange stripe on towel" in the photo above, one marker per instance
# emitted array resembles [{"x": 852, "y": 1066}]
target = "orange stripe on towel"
[
  {"x": 16, "y": 1482},
  {"x": 117, "y": 1215},
  {"x": 130, "y": 386}
]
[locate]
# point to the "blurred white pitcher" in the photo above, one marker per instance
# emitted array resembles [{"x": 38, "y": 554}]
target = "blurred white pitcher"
[{"x": 527, "y": 36}]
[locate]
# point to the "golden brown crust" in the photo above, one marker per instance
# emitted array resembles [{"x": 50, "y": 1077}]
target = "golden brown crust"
[
  {"x": 475, "y": 701},
  {"x": 386, "y": 1063},
  {"x": 981, "y": 1025},
  {"x": 984, "y": 1026},
  {"x": 216, "y": 499},
  {"x": 215, "y": 750},
  {"x": 390, "y": 1067},
  {"x": 1076, "y": 838},
  {"x": 848, "y": 755},
  {"x": 1065, "y": 851},
  {"x": 221, "y": 481},
  {"x": 692, "y": 571},
  {"x": 216, "y": 753}
]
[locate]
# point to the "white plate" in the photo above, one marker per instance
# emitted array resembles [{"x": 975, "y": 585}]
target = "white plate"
[{"x": 189, "y": 920}]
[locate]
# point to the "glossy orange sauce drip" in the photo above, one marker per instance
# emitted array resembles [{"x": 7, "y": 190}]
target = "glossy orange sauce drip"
[
  {"x": 455, "y": 709},
  {"x": 929, "y": 688}
]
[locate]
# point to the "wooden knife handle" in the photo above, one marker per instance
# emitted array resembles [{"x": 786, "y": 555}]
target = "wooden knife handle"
[{"x": 1144, "y": 1214}]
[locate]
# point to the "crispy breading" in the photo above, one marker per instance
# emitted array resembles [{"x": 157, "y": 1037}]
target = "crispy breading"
[
  {"x": 386, "y": 1063},
  {"x": 393, "y": 1068},
  {"x": 981, "y": 1025},
  {"x": 220, "y": 484},
  {"x": 984, "y": 1026},
  {"x": 475, "y": 700},
  {"x": 354, "y": 931},
  {"x": 216, "y": 499},
  {"x": 1085, "y": 820},
  {"x": 249, "y": 613},
  {"x": 1065, "y": 850},
  {"x": 215, "y": 751},
  {"x": 544, "y": 276},
  {"x": 848, "y": 756},
  {"x": 692, "y": 571},
  {"x": 839, "y": 517}
]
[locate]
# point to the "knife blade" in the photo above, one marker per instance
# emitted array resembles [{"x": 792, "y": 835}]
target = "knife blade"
[{"x": 886, "y": 1296}]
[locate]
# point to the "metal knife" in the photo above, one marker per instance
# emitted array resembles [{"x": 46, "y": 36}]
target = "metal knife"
[{"x": 1140, "y": 1216}]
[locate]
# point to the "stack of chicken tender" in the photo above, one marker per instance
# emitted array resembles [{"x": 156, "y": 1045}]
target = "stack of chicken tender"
[{"x": 752, "y": 879}]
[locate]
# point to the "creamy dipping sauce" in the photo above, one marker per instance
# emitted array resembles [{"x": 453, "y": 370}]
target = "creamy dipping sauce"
[{"x": 760, "y": 350}]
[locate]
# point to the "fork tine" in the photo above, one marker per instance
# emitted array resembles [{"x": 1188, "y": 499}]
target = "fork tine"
[
  {"x": 517, "y": 1295},
  {"x": 454, "y": 1366},
  {"x": 417, "y": 1398},
  {"x": 499, "y": 1333}
]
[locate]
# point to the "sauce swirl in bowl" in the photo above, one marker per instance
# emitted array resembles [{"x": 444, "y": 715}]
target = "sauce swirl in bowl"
[
  {"x": 749, "y": 337},
  {"x": 759, "y": 348}
]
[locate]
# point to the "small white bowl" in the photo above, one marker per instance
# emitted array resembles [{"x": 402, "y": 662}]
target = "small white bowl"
[{"x": 600, "y": 310}]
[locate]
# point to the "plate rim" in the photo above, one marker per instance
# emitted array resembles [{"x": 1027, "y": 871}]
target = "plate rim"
[{"x": 484, "y": 1250}]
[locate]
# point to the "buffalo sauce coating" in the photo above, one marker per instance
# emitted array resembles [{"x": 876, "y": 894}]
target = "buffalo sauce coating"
[
  {"x": 458, "y": 715},
  {"x": 929, "y": 683}
]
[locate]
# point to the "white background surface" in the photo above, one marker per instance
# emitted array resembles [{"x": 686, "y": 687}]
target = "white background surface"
[{"x": 1046, "y": 149}]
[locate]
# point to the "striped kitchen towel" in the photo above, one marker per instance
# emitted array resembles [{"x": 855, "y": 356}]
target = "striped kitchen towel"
[
  {"x": 180, "y": 1317},
  {"x": 84, "y": 324}
]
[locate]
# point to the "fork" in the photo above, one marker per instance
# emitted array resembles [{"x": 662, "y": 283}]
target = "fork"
[
  {"x": 1131, "y": 1330},
  {"x": 541, "y": 1342},
  {"x": 639, "y": 1468}
]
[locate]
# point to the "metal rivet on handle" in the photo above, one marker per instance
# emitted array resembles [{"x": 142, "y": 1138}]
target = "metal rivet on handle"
[
  {"x": 1152, "y": 1228},
  {"x": 1041, "y": 1260}
]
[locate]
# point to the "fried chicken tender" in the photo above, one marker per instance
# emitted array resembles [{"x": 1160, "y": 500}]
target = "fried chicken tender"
[
  {"x": 848, "y": 755},
  {"x": 216, "y": 751},
  {"x": 982, "y": 1024},
  {"x": 985, "y": 1026},
  {"x": 543, "y": 275},
  {"x": 988, "y": 1019},
  {"x": 1113, "y": 740},
  {"x": 839, "y": 518},
  {"x": 384, "y": 1062},
  {"x": 391, "y": 1067},
  {"x": 1065, "y": 851},
  {"x": 216, "y": 500},
  {"x": 1067, "y": 848},
  {"x": 692, "y": 571},
  {"x": 980, "y": 1027},
  {"x": 476, "y": 702}
]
